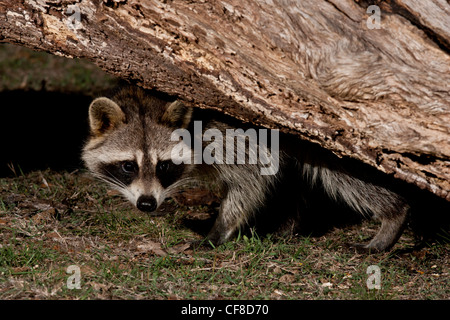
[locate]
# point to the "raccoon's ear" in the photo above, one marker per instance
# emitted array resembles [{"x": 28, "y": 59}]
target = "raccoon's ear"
[
  {"x": 104, "y": 115},
  {"x": 177, "y": 115}
]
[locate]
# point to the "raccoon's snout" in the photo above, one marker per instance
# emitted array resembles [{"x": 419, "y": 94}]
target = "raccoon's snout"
[{"x": 146, "y": 203}]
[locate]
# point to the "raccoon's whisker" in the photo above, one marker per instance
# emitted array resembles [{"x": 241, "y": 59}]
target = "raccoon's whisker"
[
  {"x": 181, "y": 183},
  {"x": 116, "y": 184},
  {"x": 174, "y": 188},
  {"x": 110, "y": 179}
]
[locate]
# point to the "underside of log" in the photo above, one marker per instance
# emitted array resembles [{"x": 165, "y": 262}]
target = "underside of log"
[{"x": 314, "y": 68}]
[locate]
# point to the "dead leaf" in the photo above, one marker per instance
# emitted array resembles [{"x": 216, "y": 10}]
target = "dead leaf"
[
  {"x": 14, "y": 198},
  {"x": 277, "y": 294},
  {"x": 112, "y": 192},
  {"x": 287, "y": 278},
  {"x": 422, "y": 254},
  {"x": 86, "y": 270},
  {"x": 179, "y": 248},
  {"x": 42, "y": 205},
  {"x": 194, "y": 197},
  {"x": 44, "y": 216},
  {"x": 99, "y": 286},
  {"x": 195, "y": 215},
  {"x": 152, "y": 247},
  {"x": 53, "y": 235},
  {"x": 21, "y": 269}
]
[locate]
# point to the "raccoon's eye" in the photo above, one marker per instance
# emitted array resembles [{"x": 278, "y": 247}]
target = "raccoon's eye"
[
  {"x": 164, "y": 166},
  {"x": 168, "y": 172},
  {"x": 129, "y": 167}
]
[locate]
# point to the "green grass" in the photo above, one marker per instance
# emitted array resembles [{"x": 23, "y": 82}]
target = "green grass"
[{"x": 50, "y": 221}]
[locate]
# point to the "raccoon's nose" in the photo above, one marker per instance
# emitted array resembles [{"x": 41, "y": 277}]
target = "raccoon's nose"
[{"x": 146, "y": 203}]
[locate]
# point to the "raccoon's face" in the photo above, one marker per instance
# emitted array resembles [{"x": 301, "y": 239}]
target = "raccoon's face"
[{"x": 131, "y": 149}]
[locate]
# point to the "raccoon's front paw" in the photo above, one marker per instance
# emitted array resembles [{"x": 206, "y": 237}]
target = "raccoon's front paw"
[
  {"x": 219, "y": 235},
  {"x": 221, "y": 232},
  {"x": 215, "y": 238},
  {"x": 378, "y": 244},
  {"x": 366, "y": 248},
  {"x": 359, "y": 247}
]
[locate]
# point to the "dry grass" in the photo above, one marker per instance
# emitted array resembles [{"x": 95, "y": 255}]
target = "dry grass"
[{"x": 50, "y": 221}]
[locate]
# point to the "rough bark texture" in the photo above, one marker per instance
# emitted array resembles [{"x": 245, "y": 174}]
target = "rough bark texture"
[{"x": 310, "y": 67}]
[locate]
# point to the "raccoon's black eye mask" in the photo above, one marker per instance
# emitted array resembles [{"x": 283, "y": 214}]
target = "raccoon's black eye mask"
[
  {"x": 168, "y": 172},
  {"x": 125, "y": 171}
]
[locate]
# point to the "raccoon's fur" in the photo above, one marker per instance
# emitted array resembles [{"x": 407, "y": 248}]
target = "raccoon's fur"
[{"x": 130, "y": 147}]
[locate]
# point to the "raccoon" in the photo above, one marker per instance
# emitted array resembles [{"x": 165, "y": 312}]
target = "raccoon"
[{"x": 131, "y": 147}]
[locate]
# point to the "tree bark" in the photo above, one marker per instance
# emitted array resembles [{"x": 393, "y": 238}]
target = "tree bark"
[{"x": 314, "y": 68}]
